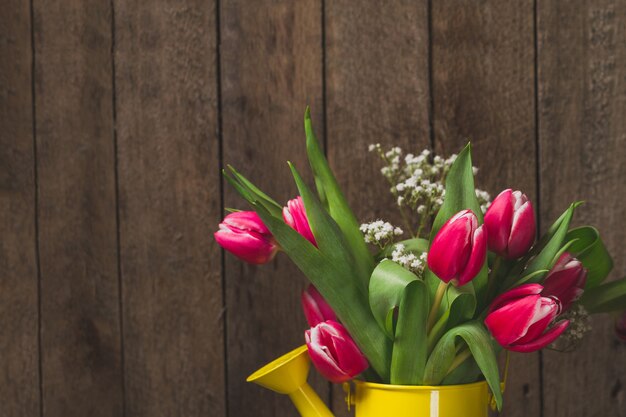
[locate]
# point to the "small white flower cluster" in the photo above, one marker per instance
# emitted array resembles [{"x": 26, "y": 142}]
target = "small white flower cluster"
[
  {"x": 484, "y": 199},
  {"x": 379, "y": 232},
  {"x": 579, "y": 326},
  {"x": 417, "y": 181},
  {"x": 408, "y": 260}
]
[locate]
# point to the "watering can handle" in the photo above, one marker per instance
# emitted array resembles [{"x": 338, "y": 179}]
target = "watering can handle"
[{"x": 350, "y": 399}]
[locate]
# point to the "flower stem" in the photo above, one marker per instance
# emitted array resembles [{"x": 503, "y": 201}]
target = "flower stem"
[
  {"x": 432, "y": 316},
  {"x": 493, "y": 277},
  {"x": 458, "y": 360}
]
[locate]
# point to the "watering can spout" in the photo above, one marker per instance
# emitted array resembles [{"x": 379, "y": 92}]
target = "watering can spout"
[{"x": 288, "y": 375}]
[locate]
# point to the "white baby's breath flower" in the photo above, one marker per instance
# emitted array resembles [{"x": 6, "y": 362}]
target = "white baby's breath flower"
[
  {"x": 380, "y": 233},
  {"x": 409, "y": 260},
  {"x": 417, "y": 183},
  {"x": 579, "y": 326}
]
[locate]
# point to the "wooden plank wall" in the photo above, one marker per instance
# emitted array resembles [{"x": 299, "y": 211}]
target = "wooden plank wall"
[{"x": 115, "y": 121}]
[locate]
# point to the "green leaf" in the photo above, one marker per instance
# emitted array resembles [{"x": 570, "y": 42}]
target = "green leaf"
[
  {"x": 386, "y": 289},
  {"x": 461, "y": 302},
  {"x": 408, "y": 357},
  {"x": 251, "y": 193},
  {"x": 589, "y": 249},
  {"x": 466, "y": 373},
  {"x": 545, "y": 258},
  {"x": 327, "y": 234},
  {"x": 338, "y": 207},
  {"x": 479, "y": 342},
  {"x": 335, "y": 279},
  {"x": 460, "y": 192},
  {"x": 460, "y": 195},
  {"x": 605, "y": 298},
  {"x": 332, "y": 280},
  {"x": 457, "y": 306}
]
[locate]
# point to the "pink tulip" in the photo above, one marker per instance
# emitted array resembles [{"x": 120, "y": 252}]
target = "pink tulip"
[
  {"x": 620, "y": 326},
  {"x": 295, "y": 216},
  {"x": 334, "y": 353},
  {"x": 244, "y": 235},
  {"x": 522, "y": 320},
  {"x": 510, "y": 223},
  {"x": 566, "y": 281},
  {"x": 459, "y": 249},
  {"x": 316, "y": 309}
]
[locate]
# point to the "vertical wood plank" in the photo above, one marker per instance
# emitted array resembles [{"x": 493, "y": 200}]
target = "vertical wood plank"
[
  {"x": 582, "y": 102},
  {"x": 169, "y": 185},
  {"x": 377, "y": 91},
  {"x": 271, "y": 69},
  {"x": 19, "y": 351},
  {"x": 80, "y": 332},
  {"x": 483, "y": 91}
]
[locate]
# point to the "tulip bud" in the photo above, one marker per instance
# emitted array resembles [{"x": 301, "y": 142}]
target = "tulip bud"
[
  {"x": 316, "y": 309},
  {"x": 295, "y": 216},
  {"x": 459, "y": 249},
  {"x": 510, "y": 223},
  {"x": 566, "y": 281},
  {"x": 334, "y": 353},
  {"x": 521, "y": 319},
  {"x": 244, "y": 235}
]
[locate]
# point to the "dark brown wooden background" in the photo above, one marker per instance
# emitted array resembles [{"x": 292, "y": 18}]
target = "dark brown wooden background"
[{"x": 117, "y": 116}]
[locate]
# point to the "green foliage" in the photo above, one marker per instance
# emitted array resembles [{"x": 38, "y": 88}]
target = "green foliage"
[
  {"x": 329, "y": 268},
  {"x": 605, "y": 298},
  {"x": 478, "y": 340},
  {"x": 588, "y": 248},
  {"x": 408, "y": 358},
  {"x": 336, "y": 204},
  {"x": 385, "y": 292}
]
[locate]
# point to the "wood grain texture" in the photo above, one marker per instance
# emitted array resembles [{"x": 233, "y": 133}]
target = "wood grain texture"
[
  {"x": 271, "y": 69},
  {"x": 483, "y": 91},
  {"x": 80, "y": 326},
  {"x": 169, "y": 183},
  {"x": 582, "y": 102},
  {"x": 19, "y": 350},
  {"x": 377, "y": 92}
]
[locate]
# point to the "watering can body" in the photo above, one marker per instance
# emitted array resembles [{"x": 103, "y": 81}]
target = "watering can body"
[{"x": 288, "y": 375}]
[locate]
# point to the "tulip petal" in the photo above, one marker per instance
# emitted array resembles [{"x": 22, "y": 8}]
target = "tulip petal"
[
  {"x": 523, "y": 231},
  {"x": 311, "y": 311},
  {"x": 451, "y": 247},
  {"x": 543, "y": 341},
  {"x": 334, "y": 353},
  {"x": 544, "y": 316},
  {"x": 477, "y": 257},
  {"x": 498, "y": 220},
  {"x": 316, "y": 309},
  {"x": 517, "y": 292},
  {"x": 295, "y": 216},
  {"x": 512, "y": 321},
  {"x": 246, "y": 220},
  {"x": 566, "y": 281},
  {"x": 252, "y": 248}
]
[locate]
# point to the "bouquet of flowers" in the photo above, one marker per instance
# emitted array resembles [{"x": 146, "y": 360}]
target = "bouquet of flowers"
[{"x": 434, "y": 301}]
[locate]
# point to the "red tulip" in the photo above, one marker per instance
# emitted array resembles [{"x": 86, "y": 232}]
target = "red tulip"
[
  {"x": 459, "y": 249},
  {"x": 295, "y": 216},
  {"x": 334, "y": 353},
  {"x": 522, "y": 320},
  {"x": 620, "y": 327},
  {"x": 244, "y": 235},
  {"x": 566, "y": 281},
  {"x": 510, "y": 223},
  {"x": 316, "y": 309}
]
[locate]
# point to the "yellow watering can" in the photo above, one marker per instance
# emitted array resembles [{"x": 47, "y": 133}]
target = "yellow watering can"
[{"x": 288, "y": 375}]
